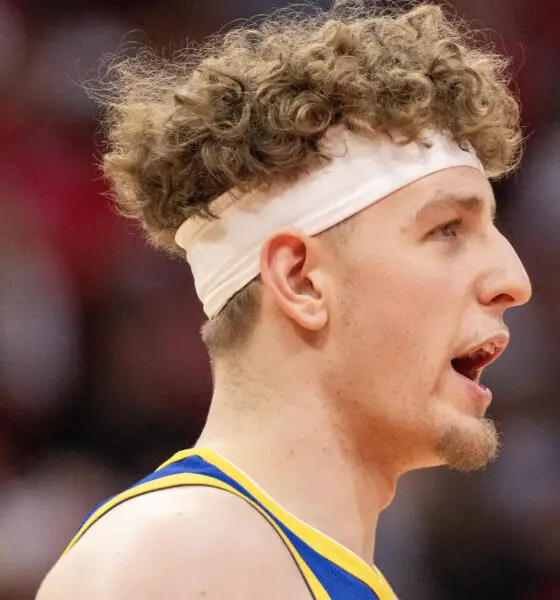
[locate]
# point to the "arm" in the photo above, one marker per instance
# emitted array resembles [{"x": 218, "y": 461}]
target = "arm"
[{"x": 179, "y": 544}]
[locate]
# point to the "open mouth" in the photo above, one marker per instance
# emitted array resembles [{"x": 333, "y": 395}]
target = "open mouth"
[{"x": 472, "y": 363}]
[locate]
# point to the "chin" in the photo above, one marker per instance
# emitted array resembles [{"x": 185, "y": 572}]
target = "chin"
[{"x": 470, "y": 446}]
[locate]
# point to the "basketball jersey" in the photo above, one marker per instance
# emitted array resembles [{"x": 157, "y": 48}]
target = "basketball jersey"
[{"x": 331, "y": 571}]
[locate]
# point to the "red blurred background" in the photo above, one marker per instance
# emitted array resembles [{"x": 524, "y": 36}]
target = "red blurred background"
[{"x": 103, "y": 375}]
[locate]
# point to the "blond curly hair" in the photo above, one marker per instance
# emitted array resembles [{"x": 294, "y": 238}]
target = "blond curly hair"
[{"x": 248, "y": 108}]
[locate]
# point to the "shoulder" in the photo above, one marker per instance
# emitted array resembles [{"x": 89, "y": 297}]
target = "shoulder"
[{"x": 179, "y": 543}]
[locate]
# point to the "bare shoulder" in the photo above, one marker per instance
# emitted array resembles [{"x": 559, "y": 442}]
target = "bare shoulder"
[{"x": 180, "y": 543}]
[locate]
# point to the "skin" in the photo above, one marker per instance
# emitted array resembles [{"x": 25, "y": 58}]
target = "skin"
[
  {"x": 348, "y": 367},
  {"x": 169, "y": 545}
]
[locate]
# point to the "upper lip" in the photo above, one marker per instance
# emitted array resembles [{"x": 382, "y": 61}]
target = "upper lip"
[{"x": 497, "y": 343}]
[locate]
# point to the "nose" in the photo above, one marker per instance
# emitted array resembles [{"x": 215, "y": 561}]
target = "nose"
[{"x": 507, "y": 283}]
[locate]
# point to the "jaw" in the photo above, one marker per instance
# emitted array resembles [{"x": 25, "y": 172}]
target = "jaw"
[
  {"x": 452, "y": 429},
  {"x": 464, "y": 439},
  {"x": 469, "y": 447}
]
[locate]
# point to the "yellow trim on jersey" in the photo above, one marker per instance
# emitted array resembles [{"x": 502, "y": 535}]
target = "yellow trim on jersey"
[
  {"x": 182, "y": 479},
  {"x": 325, "y": 546}
]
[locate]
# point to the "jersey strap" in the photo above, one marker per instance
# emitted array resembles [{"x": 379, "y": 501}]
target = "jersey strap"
[{"x": 330, "y": 570}]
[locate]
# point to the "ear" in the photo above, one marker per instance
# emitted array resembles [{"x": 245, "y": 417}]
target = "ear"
[{"x": 291, "y": 270}]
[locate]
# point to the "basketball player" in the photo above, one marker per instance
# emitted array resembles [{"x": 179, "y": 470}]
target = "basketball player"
[{"x": 328, "y": 179}]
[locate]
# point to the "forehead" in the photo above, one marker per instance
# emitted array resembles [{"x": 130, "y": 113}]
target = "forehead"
[{"x": 459, "y": 187}]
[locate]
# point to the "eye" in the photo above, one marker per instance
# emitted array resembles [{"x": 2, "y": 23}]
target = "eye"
[{"x": 447, "y": 230}]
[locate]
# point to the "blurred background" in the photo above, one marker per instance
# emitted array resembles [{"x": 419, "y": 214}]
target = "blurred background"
[{"x": 103, "y": 376}]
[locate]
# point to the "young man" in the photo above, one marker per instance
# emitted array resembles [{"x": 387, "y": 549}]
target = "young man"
[{"x": 328, "y": 179}]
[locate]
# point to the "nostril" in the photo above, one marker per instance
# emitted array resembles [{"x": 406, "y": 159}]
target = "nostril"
[{"x": 504, "y": 299}]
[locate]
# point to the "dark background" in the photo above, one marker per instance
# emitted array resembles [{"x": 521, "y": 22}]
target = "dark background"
[{"x": 103, "y": 376}]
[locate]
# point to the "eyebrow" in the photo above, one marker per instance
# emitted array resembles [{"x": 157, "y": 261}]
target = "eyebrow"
[{"x": 468, "y": 202}]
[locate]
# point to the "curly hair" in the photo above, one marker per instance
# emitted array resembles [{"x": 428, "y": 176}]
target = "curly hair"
[{"x": 247, "y": 108}]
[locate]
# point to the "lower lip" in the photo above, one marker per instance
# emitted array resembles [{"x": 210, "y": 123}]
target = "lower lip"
[{"x": 478, "y": 392}]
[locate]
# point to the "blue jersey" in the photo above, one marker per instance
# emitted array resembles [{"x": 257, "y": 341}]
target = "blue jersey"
[{"x": 330, "y": 570}]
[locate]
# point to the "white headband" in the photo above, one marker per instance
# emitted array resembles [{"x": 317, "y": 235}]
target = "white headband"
[{"x": 224, "y": 253}]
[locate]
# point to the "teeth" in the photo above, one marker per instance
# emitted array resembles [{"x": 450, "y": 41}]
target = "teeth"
[{"x": 487, "y": 348}]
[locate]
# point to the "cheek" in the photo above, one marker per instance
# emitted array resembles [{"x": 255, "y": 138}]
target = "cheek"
[{"x": 400, "y": 333}]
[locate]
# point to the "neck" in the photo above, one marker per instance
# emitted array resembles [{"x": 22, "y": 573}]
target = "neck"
[{"x": 294, "y": 446}]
